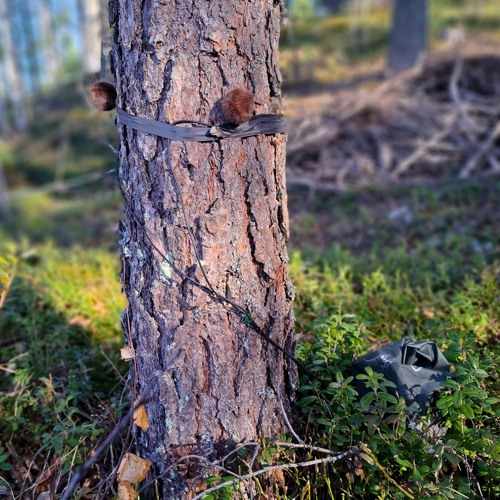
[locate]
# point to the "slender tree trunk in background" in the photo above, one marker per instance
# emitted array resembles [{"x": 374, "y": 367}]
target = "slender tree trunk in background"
[
  {"x": 5, "y": 127},
  {"x": 5, "y": 208},
  {"x": 13, "y": 83},
  {"x": 332, "y": 6},
  {"x": 106, "y": 43},
  {"x": 26, "y": 14},
  {"x": 213, "y": 378},
  {"x": 90, "y": 27},
  {"x": 408, "y": 39},
  {"x": 51, "y": 57}
]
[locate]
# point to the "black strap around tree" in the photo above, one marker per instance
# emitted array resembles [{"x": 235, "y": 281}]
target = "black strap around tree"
[{"x": 260, "y": 124}]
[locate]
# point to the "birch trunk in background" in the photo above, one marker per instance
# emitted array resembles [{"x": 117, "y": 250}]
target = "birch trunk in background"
[
  {"x": 214, "y": 380},
  {"x": 51, "y": 57},
  {"x": 90, "y": 26},
  {"x": 25, "y": 13},
  {"x": 13, "y": 82}
]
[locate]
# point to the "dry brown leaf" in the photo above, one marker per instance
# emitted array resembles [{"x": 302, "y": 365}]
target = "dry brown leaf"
[
  {"x": 126, "y": 491},
  {"x": 277, "y": 477},
  {"x": 80, "y": 321},
  {"x": 127, "y": 353},
  {"x": 45, "y": 483},
  {"x": 133, "y": 469},
  {"x": 141, "y": 418}
]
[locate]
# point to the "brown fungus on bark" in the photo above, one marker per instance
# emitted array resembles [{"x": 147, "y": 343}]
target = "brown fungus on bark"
[
  {"x": 234, "y": 108},
  {"x": 103, "y": 96}
]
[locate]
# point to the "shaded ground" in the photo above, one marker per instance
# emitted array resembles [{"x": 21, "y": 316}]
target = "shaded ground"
[{"x": 465, "y": 213}]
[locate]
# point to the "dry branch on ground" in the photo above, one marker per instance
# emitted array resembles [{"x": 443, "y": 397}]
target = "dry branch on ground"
[{"x": 438, "y": 121}]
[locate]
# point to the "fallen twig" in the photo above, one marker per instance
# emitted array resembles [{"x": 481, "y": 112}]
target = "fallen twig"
[
  {"x": 483, "y": 150},
  {"x": 423, "y": 149},
  {"x": 82, "y": 471},
  {"x": 384, "y": 471},
  {"x": 265, "y": 470}
]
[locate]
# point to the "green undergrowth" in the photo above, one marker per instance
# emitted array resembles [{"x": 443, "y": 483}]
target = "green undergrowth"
[
  {"x": 61, "y": 388},
  {"x": 61, "y": 377},
  {"x": 369, "y": 267},
  {"x": 433, "y": 274},
  {"x": 340, "y": 318},
  {"x": 347, "y": 305}
]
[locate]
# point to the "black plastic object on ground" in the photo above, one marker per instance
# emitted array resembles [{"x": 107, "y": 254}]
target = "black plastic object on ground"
[{"x": 416, "y": 367}]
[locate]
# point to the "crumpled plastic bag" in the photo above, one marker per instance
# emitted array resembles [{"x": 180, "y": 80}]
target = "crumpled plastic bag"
[{"x": 416, "y": 367}]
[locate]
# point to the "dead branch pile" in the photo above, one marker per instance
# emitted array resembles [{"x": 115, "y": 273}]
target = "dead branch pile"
[{"x": 440, "y": 121}]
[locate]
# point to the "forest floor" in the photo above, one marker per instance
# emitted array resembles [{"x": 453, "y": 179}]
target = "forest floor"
[
  {"x": 393, "y": 200},
  {"x": 414, "y": 160}
]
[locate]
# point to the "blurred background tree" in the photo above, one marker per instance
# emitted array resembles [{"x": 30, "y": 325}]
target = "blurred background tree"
[{"x": 409, "y": 34}]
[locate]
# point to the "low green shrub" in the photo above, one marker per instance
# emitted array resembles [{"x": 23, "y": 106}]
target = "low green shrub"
[{"x": 396, "y": 460}]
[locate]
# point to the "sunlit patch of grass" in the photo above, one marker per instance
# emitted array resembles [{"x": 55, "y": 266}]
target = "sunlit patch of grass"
[
  {"x": 60, "y": 332},
  {"x": 86, "y": 219},
  {"x": 83, "y": 286}
]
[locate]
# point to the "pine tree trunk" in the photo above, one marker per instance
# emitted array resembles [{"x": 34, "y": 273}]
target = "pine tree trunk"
[
  {"x": 408, "y": 39},
  {"x": 214, "y": 379}
]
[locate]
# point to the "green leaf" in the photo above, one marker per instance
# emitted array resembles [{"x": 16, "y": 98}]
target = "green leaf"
[
  {"x": 307, "y": 400},
  {"x": 457, "y": 398},
  {"x": 324, "y": 421},
  {"x": 453, "y": 459},
  {"x": 444, "y": 402},
  {"x": 387, "y": 397},
  {"x": 367, "y": 399},
  {"x": 404, "y": 463},
  {"x": 467, "y": 411},
  {"x": 212, "y": 480},
  {"x": 305, "y": 388}
]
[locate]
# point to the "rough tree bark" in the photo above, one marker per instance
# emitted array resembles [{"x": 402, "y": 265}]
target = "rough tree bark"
[
  {"x": 213, "y": 379},
  {"x": 409, "y": 32}
]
